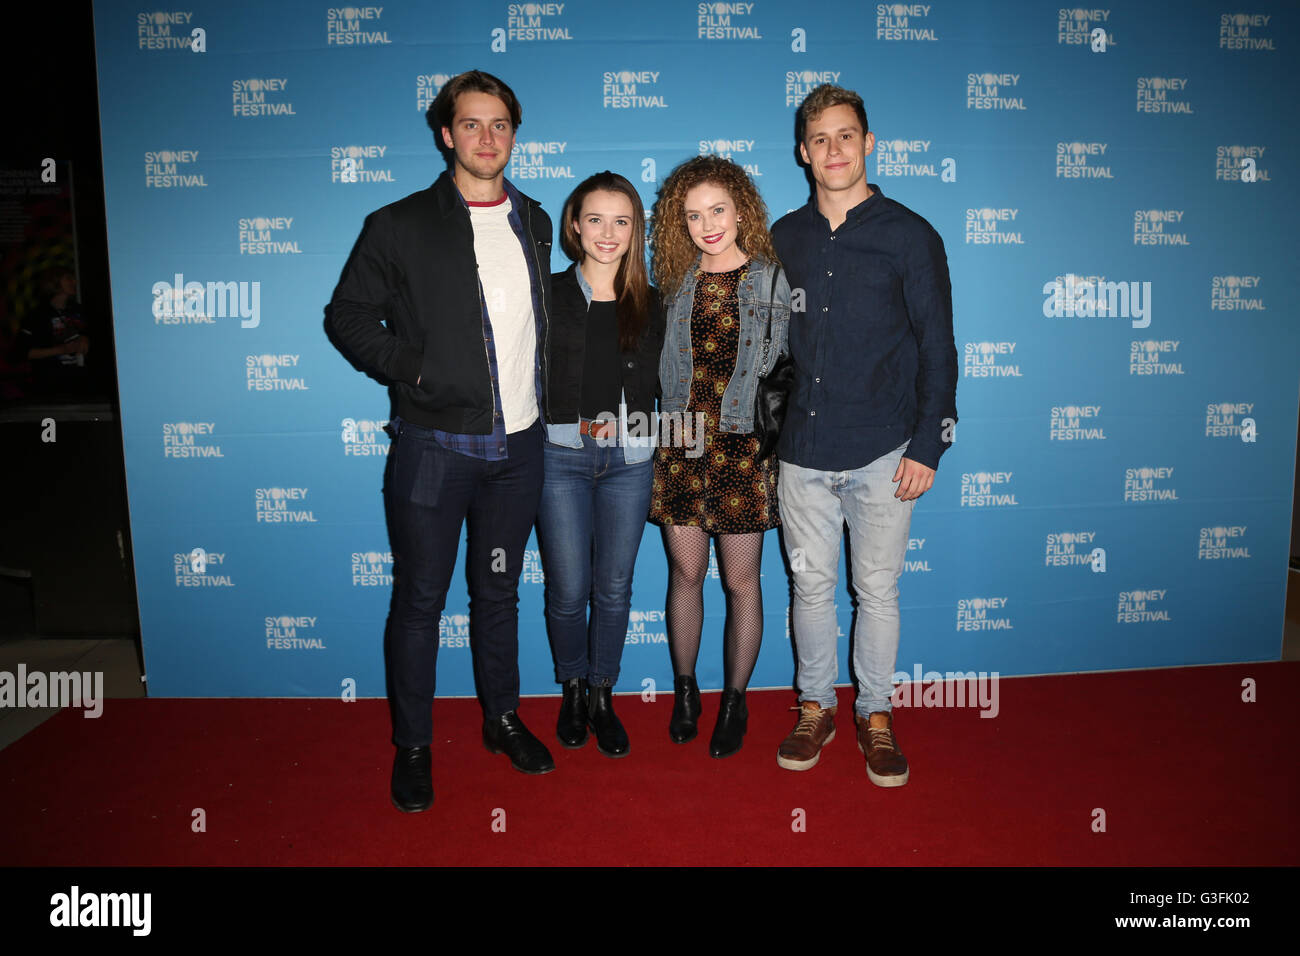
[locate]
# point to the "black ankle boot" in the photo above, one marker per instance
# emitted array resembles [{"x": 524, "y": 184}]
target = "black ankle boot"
[
  {"x": 732, "y": 720},
  {"x": 686, "y": 710},
  {"x": 611, "y": 738},
  {"x": 571, "y": 728}
]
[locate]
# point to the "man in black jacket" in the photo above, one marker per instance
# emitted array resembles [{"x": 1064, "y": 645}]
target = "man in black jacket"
[{"x": 446, "y": 296}]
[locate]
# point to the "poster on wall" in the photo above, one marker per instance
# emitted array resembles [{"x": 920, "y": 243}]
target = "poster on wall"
[{"x": 1113, "y": 188}]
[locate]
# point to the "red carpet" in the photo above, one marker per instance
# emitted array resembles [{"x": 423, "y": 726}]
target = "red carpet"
[{"x": 1186, "y": 773}]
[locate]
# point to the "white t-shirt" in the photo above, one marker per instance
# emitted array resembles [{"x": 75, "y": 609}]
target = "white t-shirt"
[{"x": 508, "y": 292}]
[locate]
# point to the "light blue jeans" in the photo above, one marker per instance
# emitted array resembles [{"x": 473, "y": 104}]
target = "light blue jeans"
[{"x": 815, "y": 506}]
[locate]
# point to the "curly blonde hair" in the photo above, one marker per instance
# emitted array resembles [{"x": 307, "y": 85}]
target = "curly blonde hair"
[{"x": 673, "y": 251}]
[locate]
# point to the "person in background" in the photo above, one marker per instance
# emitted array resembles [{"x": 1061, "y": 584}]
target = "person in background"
[{"x": 54, "y": 339}]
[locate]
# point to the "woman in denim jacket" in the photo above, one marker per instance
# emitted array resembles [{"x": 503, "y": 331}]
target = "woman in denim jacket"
[
  {"x": 606, "y": 331},
  {"x": 728, "y": 310}
]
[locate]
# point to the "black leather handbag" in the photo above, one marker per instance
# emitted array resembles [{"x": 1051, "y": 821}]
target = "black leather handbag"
[{"x": 773, "y": 388}]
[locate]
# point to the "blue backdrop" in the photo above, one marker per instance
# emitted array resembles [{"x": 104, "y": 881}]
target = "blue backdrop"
[{"x": 1115, "y": 186}]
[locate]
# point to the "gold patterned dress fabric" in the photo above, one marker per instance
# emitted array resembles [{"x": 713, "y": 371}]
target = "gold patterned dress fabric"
[{"x": 723, "y": 491}]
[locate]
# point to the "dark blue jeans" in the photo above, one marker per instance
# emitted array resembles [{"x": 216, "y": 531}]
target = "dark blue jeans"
[
  {"x": 592, "y": 515},
  {"x": 429, "y": 492}
]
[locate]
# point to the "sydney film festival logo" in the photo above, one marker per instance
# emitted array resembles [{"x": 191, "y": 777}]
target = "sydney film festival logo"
[
  {"x": 355, "y": 26},
  {"x": 1222, "y": 543},
  {"x": 1082, "y": 160},
  {"x": 190, "y": 440},
  {"x": 531, "y": 22},
  {"x": 1238, "y": 163},
  {"x": 173, "y": 169},
  {"x": 536, "y": 159},
  {"x": 1149, "y": 483},
  {"x": 1236, "y": 293},
  {"x": 990, "y": 360},
  {"x": 362, "y": 437},
  {"x": 171, "y": 30},
  {"x": 631, "y": 90},
  {"x": 1076, "y": 423},
  {"x": 799, "y": 83},
  {"x": 736, "y": 150},
  {"x": 1245, "y": 31},
  {"x": 987, "y": 489},
  {"x": 274, "y": 373},
  {"x": 201, "y": 568},
  {"x": 1155, "y": 357},
  {"x": 911, "y": 158},
  {"x": 907, "y": 22},
  {"x": 372, "y": 569},
  {"x": 282, "y": 506},
  {"x": 1159, "y": 227},
  {"x": 993, "y": 227},
  {"x": 1163, "y": 94},
  {"x": 1080, "y": 26},
  {"x": 267, "y": 236},
  {"x": 1230, "y": 420},
  {"x": 261, "y": 97},
  {"x": 993, "y": 91},
  {"x": 725, "y": 21},
  {"x": 1075, "y": 549},
  {"x": 288, "y": 633},
  {"x": 359, "y": 164}
]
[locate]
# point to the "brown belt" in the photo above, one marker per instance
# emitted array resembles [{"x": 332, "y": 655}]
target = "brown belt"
[{"x": 598, "y": 430}]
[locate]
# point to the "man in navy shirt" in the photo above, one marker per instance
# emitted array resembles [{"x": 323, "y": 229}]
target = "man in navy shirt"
[{"x": 871, "y": 412}]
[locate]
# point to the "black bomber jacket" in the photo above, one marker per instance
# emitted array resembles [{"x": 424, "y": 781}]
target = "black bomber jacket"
[{"x": 408, "y": 305}]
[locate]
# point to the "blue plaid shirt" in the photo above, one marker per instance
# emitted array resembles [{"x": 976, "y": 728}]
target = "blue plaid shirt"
[{"x": 493, "y": 446}]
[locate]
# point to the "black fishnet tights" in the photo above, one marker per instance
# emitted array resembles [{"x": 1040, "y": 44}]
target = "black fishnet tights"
[{"x": 739, "y": 558}]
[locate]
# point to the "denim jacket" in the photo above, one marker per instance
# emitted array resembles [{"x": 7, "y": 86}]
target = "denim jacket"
[
  {"x": 756, "y": 297},
  {"x": 635, "y": 449}
]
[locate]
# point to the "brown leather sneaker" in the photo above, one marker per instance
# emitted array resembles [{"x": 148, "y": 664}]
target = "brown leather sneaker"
[
  {"x": 886, "y": 765},
  {"x": 803, "y": 748}
]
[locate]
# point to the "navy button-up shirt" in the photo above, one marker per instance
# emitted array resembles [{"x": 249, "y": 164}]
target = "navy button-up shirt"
[{"x": 875, "y": 361}]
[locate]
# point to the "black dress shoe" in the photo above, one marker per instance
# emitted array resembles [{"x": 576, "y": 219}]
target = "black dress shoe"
[
  {"x": 686, "y": 710},
  {"x": 571, "y": 728},
  {"x": 732, "y": 720},
  {"x": 508, "y": 735},
  {"x": 611, "y": 738},
  {"x": 413, "y": 779}
]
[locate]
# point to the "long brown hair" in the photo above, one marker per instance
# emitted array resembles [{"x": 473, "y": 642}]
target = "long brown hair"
[
  {"x": 674, "y": 250},
  {"x": 631, "y": 283}
]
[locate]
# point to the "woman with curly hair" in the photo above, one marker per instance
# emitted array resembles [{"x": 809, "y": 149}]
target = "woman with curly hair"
[{"x": 728, "y": 309}]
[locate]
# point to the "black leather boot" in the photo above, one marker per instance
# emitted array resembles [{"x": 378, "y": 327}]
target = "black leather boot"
[
  {"x": 571, "y": 728},
  {"x": 733, "y": 718},
  {"x": 611, "y": 738},
  {"x": 686, "y": 710}
]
